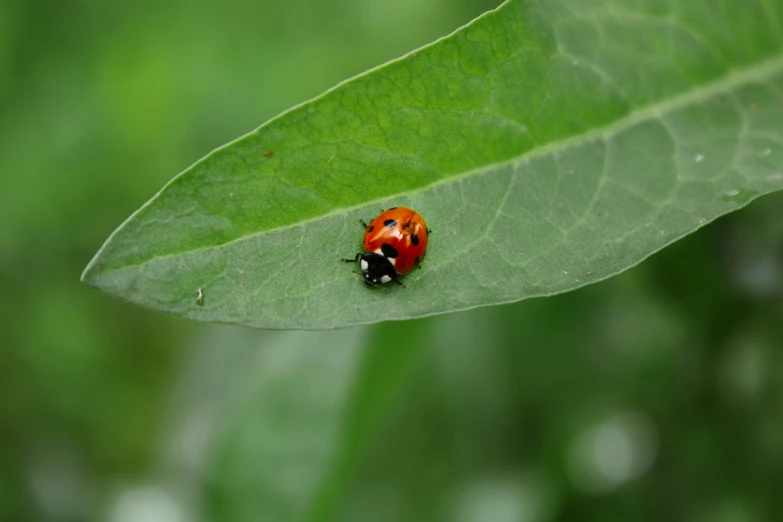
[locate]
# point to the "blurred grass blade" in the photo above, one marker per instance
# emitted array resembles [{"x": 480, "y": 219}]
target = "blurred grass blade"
[
  {"x": 285, "y": 420},
  {"x": 276, "y": 445},
  {"x": 548, "y": 144}
]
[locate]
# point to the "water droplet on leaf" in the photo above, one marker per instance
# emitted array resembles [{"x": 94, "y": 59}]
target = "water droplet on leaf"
[{"x": 739, "y": 196}]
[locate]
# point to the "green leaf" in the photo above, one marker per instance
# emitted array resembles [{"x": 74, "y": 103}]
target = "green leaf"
[{"x": 547, "y": 144}]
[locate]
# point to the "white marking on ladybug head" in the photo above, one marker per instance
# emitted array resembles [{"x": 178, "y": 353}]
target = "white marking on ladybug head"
[
  {"x": 392, "y": 260},
  {"x": 363, "y": 264},
  {"x": 385, "y": 279},
  {"x": 379, "y": 251}
]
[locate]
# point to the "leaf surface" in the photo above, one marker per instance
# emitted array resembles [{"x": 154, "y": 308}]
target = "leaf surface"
[{"x": 547, "y": 144}]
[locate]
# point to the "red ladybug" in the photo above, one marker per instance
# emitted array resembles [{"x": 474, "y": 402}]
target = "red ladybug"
[{"x": 394, "y": 243}]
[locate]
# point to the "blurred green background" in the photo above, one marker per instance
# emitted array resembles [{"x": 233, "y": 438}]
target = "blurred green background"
[{"x": 657, "y": 395}]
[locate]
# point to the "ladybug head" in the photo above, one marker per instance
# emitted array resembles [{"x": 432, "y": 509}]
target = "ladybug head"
[{"x": 376, "y": 269}]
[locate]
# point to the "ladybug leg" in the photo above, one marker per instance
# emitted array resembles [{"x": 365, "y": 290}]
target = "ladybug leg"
[
  {"x": 363, "y": 223},
  {"x": 354, "y": 260},
  {"x": 398, "y": 282},
  {"x": 429, "y": 231}
]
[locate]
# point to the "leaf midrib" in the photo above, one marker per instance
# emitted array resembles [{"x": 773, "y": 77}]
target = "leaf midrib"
[{"x": 723, "y": 84}]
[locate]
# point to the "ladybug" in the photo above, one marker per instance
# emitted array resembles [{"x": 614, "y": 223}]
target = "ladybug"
[{"x": 394, "y": 243}]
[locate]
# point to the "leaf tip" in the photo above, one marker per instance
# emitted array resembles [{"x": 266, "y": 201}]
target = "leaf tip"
[{"x": 91, "y": 275}]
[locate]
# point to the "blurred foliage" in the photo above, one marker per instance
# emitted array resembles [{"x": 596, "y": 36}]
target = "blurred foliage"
[{"x": 655, "y": 395}]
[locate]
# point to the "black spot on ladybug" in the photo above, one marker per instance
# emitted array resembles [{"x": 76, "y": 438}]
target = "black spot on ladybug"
[
  {"x": 414, "y": 239},
  {"x": 389, "y": 251},
  {"x": 370, "y": 228},
  {"x": 390, "y": 222},
  {"x": 416, "y": 261}
]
